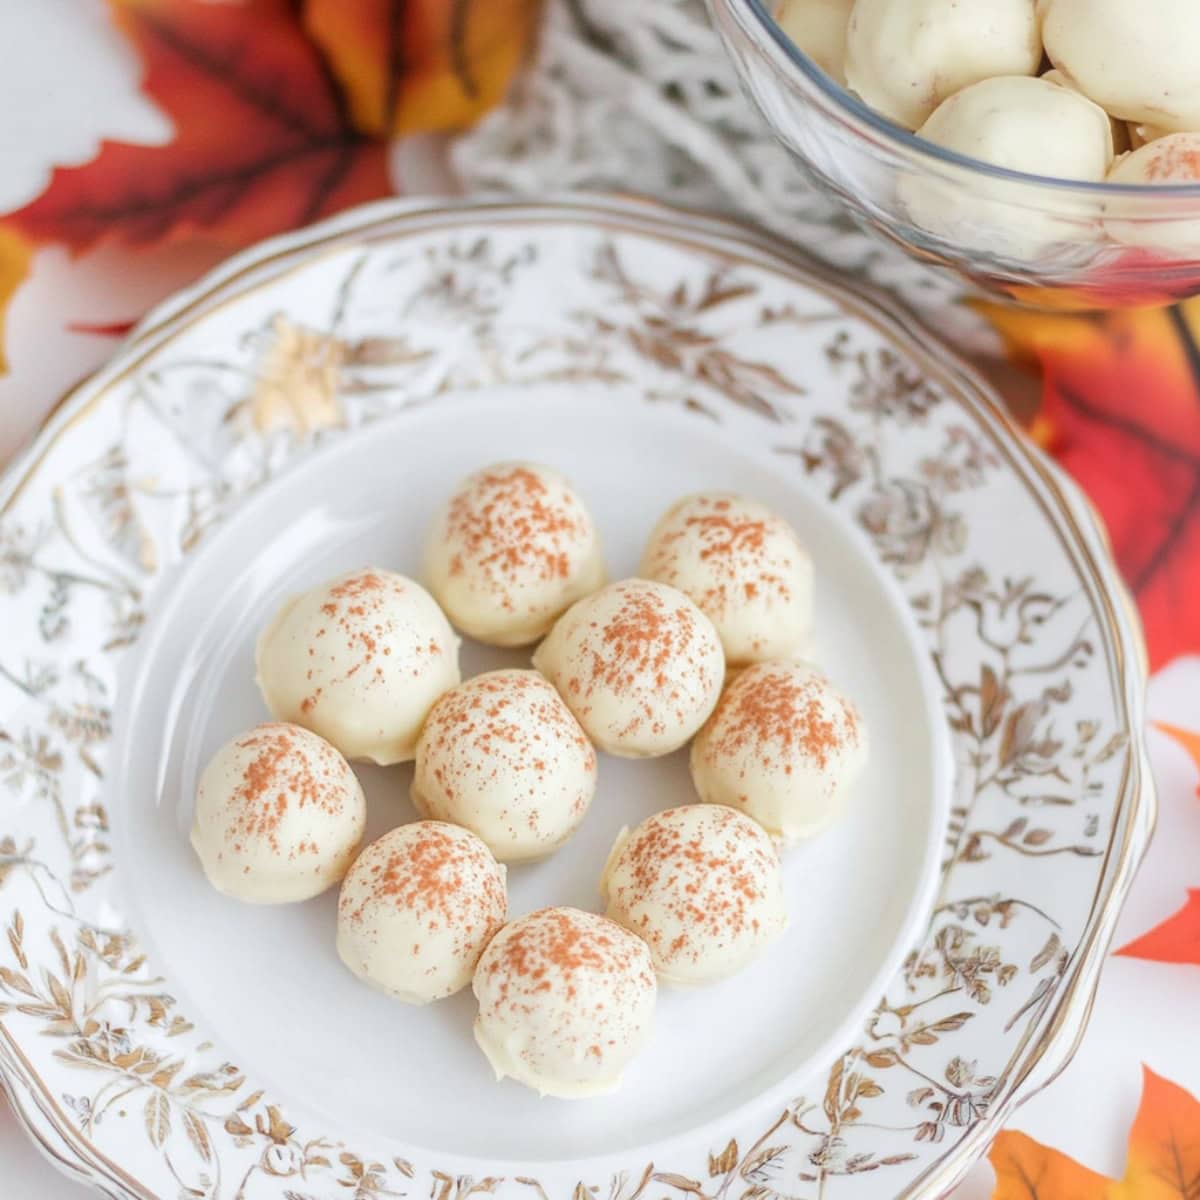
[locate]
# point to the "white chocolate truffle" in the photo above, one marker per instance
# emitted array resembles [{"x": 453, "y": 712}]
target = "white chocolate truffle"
[
  {"x": 1170, "y": 160},
  {"x": 702, "y": 886},
  {"x": 638, "y": 664},
  {"x": 904, "y": 57},
  {"x": 1122, "y": 132},
  {"x": 1023, "y": 124},
  {"x": 502, "y": 755},
  {"x": 359, "y": 660},
  {"x": 566, "y": 1000},
  {"x": 819, "y": 27},
  {"x": 744, "y": 567},
  {"x": 784, "y": 747},
  {"x": 1136, "y": 60},
  {"x": 417, "y": 909},
  {"x": 279, "y": 815},
  {"x": 511, "y": 551}
]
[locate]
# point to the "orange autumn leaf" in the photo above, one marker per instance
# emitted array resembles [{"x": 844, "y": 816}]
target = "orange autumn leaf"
[
  {"x": 1027, "y": 1170},
  {"x": 14, "y": 266},
  {"x": 1164, "y": 1145},
  {"x": 1189, "y": 741},
  {"x": 1175, "y": 940},
  {"x": 1121, "y": 412},
  {"x": 409, "y": 65},
  {"x": 1163, "y": 1162},
  {"x": 261, "y": 141}
]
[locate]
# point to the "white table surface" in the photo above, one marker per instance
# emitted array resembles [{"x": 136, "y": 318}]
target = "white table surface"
[{"x": 66, "y": 81}]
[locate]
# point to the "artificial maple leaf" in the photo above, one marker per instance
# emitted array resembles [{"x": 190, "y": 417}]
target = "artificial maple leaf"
[
  {"x": 14, "y": 266},
  {"x": 1163, "y": 1162},
  {"x": 262, "y": 139},
  {"x": 1175, "y": 940},
  {"x": 1121, "y": 412},
  {"x": 422, "y": 64},
  {"x": 1164, "y": 1145},
  {"x": 1189, "y": 741},
  {"x": 1027, "y": 1170}
]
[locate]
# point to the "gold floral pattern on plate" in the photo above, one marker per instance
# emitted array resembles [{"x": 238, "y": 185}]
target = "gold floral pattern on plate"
[{"x": 1029, "y": 632}]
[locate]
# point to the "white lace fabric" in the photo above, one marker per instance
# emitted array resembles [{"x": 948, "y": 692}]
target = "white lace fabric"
[{"x": 639, "y": 95}]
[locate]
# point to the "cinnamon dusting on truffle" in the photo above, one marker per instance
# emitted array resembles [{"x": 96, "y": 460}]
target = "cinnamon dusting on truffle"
[{"x": 777, "y": 710}]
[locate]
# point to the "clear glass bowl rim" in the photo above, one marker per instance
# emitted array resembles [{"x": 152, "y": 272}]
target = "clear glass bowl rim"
[{"x": 935, "y": 157}]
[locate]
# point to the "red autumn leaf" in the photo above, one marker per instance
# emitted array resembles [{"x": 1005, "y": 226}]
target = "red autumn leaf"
[
  {"x": 1163, "y": 1162},
  {"x": 262, "y": 140},
  {"x": 1176, "y": 940},
  {"x": 422, "y": 64},
  {"x": 1121, "y": 412}
]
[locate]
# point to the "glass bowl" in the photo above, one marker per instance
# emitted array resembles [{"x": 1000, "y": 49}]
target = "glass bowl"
[{"x": 1044, "y": 242}]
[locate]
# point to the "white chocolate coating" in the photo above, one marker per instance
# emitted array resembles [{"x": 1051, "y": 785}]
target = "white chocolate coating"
[
  {"x": 1136, "y": 60},
  {"x": 784, "y": 747},
  {"x": 566, "y": 999},
  {"x": 744, "y": 567},
  {"x": 511, "y": 551},
  {"x": 1172, "y": 159},
  {"x": 417, "y": 909},
  {"x": 638, "y": 664},
  {"x": 359, "y": 660},
  {"x": 1122, "y": 132},
  {"x": 904, "y": 57},
  {"x": 702, "y": 886},
  {"x": 1023, "y": 124},
  {"x": 279, "y": 815},
  {"x": 502, "y": 755},
  {"x": 819, "y": 28}
]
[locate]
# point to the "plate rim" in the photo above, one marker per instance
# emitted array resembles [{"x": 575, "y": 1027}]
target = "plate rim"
[{"x": 1067, "y": 1019}]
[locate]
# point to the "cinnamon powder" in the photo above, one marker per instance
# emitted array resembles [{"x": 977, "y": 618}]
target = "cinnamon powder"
[
  {"x": 747, "y": 558},
  {"x": 283, "y": 772},
  {"x": 508, "y": 524},
  {"x": 782, "y": 712}
]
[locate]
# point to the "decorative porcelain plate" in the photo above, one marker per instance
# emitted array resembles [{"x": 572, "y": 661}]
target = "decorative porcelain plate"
[{"x": 303, "y": 410}]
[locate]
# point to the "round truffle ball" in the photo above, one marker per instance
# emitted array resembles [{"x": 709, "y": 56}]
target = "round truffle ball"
[
  {"x": 511, "y": 551},
  {"x": 638, "y": 664},
  {"x": 784, "y": 747},
  {"x": 417, "y": 909},
  {"x": 502, "y": 755},
  {"x": 818, "y": 27},
  {"x": 1031, "y": 125},
  {"x": 1122, "y": 132},
  {"x": 566, "y": 1000},
  {"x": 1137, "y": 61},
  {"x": 1172, "y": 159},
  {"x": 745, "y": 569},
  {"x": 279, "y": 815},
  {"x": 904, "y": 57},
  {"x": 359, "y": 660},
  {"x": 702, "y": 886}
]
